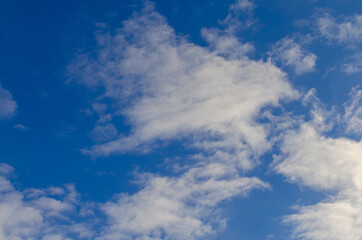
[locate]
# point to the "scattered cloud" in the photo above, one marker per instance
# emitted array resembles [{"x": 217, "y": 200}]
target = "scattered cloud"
[
  {"x": 176, "y": 207},
  {"x": 354, "y": 65},
  {"x": 239, "y": 17},
  {"x": 290, "y": 53},
  {"x": 38, "y": 213},
  {"x": 225, "y": 44},
  {"x": 329, "y": 164},
  {"x": 169, "y": 88},
  {"x": 7, "y": 104},
  {"x": 212, "y": 99},
  {"x": 242, "y": 5},
  {"x": 353, "y": 113},
  {"x": 319, "y": 162},
  {"x": 21, "y": 127},
  {"x": 333, "y": 219},
  {"x": 344, "y": 30},
  {"x": 176, "y": 88}
]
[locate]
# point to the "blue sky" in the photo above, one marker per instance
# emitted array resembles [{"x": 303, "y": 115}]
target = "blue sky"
[{"x": 177, "y": 119}]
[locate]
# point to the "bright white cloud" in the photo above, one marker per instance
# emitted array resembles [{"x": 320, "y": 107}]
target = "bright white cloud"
[
  {"x": 176, "y": 88},
  {"x": 7, "y": 104},
  {"x": 290, "y": 53},
  {"x": 347, "y": 30},
  {"x": 320, "y": 162},
  {"x": 36, "y": 214},
  {"x": 170, "y": 88},
  {"x": 309, "y": 158},
  {"x": 335, "y": 219},
  {"x": 178, "y": 207}
]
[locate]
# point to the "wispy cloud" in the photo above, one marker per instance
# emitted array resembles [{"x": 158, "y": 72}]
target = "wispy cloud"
[
  {"x": 354, "y": 64},
  {"x": 21, "y": 127},
  {"x": 353, "y": 113},
  {"x": 178, "y": 207},
  {"x": 344, "y": 30},
  {"x": 7, "y": 104},
  {"x": 329, "y": 164},
  {"x": 39, "y": 213},
  {"x": 290, "y": 53}
]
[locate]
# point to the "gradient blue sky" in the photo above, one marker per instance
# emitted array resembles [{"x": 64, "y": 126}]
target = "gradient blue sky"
[{"x": 181, "y": 119}]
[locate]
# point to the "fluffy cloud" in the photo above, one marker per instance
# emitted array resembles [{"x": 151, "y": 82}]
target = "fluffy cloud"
[
  {"x": 347, "y": 30},
  {"x": 290, "y": 53},
  {"x": 38, "y": 213},
  {"x": 165, "y": 208},
  {"x": 176, "y": 208},
  {"x": 334, "y": 219},
  {"x": 333, "y": 165},
  {"x": 172, "y": 88},
  {"x": 225, "y": 44},
  {"x": 7, "y": 104},
  {"x": 169, "y": 88},
  {"x": 320, "y": 162}
]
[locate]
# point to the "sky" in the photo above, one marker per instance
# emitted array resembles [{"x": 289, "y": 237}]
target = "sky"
[{"x": 173, "y": 120}]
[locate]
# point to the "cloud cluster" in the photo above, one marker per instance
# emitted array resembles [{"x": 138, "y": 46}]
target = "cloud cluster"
[
  {"x": 290, "y": 53},
  {"x": 176, "y": 207},
  {"x": 211, "y": 97},
  {"x": 46, "y": 214},
  {"x": 218, "y": 103},
  {"x": 7, "y": 104},
  {"x": 174, "y": 88},
  {"x": 320, "y": 162},
  {"x": 347, "y": 30},
  {"x": 330, "y": 164},
  {"x": 354, "y": 64},
  {"x": 169, "y": 88}
]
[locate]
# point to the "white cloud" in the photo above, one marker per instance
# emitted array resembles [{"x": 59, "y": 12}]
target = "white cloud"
[
  {"x": 33, "y": 214},
  {"x": 6, "y": 169},
  {"x": 178, "y": 207},
  {"x": 320, "y": 162},
  {"x": 290, "y": 53},
  {"x": 239, "y": 17},
  {"x": 329, "y": 164},
  {"x": 7, "y": 104},
  {"x": 169, "y": 88},
  {"x": 353, "y": 113},
  {"x": 346, "y": 30},
  {"x": 242, "y": 5},
  {"x": 335, "y": 219},
  {"x": 176, "y": 88},
  {"x": 354, "y": 65},
  {"x": 225, "y": 44}
]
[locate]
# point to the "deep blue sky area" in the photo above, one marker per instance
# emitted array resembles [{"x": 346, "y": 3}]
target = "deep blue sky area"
[{"x": 46, "y": 136}]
